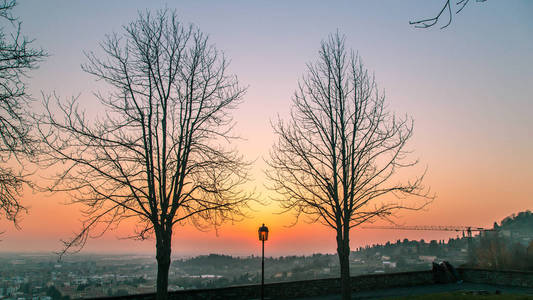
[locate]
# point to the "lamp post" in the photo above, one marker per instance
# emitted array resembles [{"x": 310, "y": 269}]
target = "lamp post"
[{"x": 263, "y": 236}]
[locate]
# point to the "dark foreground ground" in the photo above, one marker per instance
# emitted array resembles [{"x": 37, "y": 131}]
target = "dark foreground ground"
[{"x": 469, "y": 288}]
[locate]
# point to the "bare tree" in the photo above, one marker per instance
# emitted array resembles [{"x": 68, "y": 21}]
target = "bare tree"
[
  {"x": 156, "y": 154},
  {"x": 341, "y": 150},
  {"x": 16, "y": 59},
  {"x": 447, "y": 7}
]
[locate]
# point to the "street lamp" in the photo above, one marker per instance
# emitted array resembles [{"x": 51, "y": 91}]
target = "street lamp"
[{"x": 263, "y": 236}]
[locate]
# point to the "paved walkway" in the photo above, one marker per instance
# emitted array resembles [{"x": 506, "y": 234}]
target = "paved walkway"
[{"x": 429, "y": 289}]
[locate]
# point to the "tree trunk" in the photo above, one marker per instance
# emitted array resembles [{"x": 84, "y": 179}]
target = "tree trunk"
[
  {"x": 343, "y": 250},
  {"x": 163, "y": 250}
]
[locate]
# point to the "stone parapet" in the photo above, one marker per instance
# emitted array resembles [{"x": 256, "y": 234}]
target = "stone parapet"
[{"x": 318, "y": 287}]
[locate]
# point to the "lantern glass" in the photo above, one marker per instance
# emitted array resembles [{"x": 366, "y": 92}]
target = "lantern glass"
[{"x": 263, "y": 233}]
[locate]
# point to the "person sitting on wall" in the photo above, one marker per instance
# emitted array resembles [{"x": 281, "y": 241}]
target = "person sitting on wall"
[
  {"x": 444, "y": 272},
  {"x": 452, "y": 271}
]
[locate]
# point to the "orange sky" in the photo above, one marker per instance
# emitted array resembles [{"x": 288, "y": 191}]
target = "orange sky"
[
  {"x": 457, "y": 204},
  {"x": 468, "y": 87}
]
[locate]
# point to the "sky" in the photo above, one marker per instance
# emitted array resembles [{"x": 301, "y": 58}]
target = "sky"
[{"x": 468, "y": 87}]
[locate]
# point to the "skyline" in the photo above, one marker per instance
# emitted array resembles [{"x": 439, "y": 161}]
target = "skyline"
[{"x": 453, "y": 82}]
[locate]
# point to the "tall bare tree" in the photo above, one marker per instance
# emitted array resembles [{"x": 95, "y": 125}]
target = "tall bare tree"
[
  {"x": 341, "y": 150},
  {"x": 17, "y": 57},
  {"x": 157, "y": 153}
]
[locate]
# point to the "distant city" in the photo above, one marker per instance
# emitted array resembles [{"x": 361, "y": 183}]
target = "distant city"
[{"x": 42, "y": 276}]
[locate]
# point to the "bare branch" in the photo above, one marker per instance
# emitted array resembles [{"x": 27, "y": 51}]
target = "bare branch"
[
  {"x": 425, "y": 23},
  {"x": 17, "y": 58}
]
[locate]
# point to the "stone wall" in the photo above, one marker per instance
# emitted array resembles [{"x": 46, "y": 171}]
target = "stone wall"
[
  {"x": 309, "y": 288},
  {"x": 295, "y": 289},
  {"x": 507, "y": 278}
]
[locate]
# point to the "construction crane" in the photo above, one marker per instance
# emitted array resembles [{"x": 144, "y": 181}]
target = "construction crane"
[{"x": 467, "y": 229}]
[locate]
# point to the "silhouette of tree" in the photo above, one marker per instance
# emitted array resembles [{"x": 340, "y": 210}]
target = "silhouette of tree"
[
  {"x": 340, "y": 149},
  {"x": 491, "y": 251},
  {"x": 17, "y": 57},
  {"x": 447, "y": 7},
  {"x": 157, "y": 153}
]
